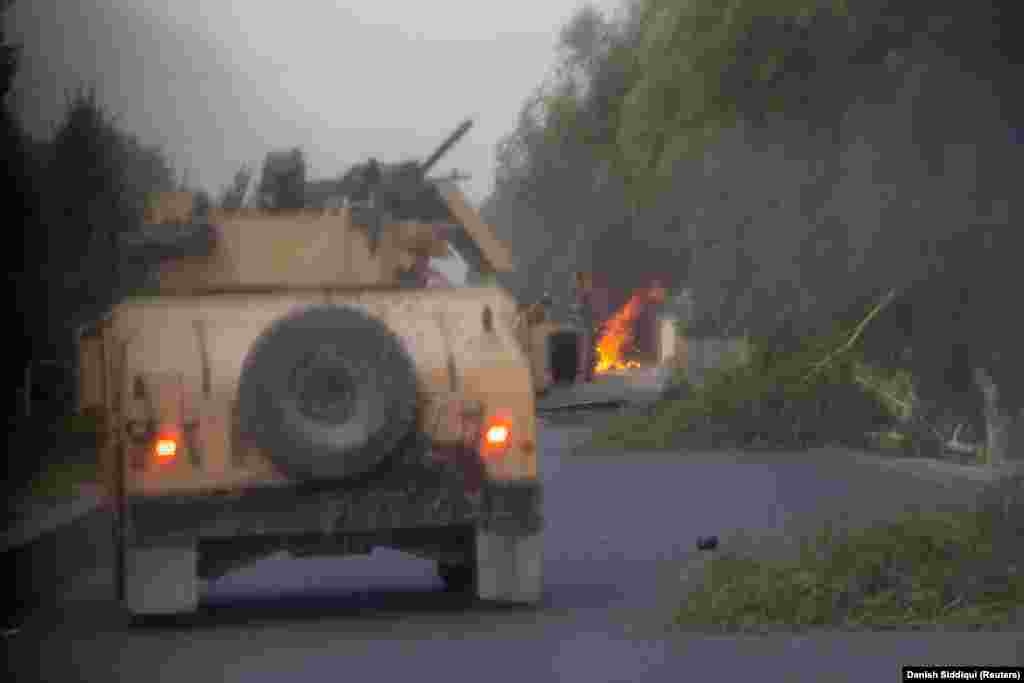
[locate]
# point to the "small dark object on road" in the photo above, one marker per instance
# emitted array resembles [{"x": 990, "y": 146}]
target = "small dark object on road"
[{"x": 707, "y": 542}]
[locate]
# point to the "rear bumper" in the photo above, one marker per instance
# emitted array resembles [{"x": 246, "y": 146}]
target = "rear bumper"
[{"x": 408, "y": 497}]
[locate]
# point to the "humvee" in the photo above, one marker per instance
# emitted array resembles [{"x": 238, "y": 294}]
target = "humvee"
[
  {"x": 291, "y": 384},
  {"x": 552, "y": 348}
]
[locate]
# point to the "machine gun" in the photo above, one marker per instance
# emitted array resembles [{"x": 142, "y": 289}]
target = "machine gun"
[{"x": 399, "y": 192}]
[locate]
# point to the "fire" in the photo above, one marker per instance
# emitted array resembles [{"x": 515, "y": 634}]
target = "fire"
[{"x": 617, "y": 332}]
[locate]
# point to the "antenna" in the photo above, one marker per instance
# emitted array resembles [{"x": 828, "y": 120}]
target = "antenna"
[{"x": 446, "y": 145}]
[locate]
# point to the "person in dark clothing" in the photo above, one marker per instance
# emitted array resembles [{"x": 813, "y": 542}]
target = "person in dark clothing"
[{"x": 586, "y": 320}]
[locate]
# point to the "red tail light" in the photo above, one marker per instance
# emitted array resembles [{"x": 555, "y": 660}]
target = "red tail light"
[
  {"x": 497, "y": 437},
  {"x": 166, "y": 450}
]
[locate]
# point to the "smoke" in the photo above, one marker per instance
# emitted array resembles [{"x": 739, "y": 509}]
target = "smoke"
[{"x": 790, "y": 223}]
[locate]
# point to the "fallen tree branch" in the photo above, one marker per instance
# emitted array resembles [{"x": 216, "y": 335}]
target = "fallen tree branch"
[
  {"x": 904, "y": 405},
  {"x": 886, "y": 300},
  {"x": 909, "y": 417},
  {"x": 961, "y": 448}
]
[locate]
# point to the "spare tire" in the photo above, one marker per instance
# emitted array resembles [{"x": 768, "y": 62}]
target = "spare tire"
[{"x": 329, "y": 392}]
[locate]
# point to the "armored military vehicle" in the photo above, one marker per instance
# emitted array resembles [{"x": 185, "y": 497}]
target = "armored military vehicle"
[
  {"x": 554, "y": 347},
  {"x": 292, "y": 384}
]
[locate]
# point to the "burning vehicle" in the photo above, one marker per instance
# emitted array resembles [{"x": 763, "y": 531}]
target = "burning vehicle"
[
  {"x": 598, "y": 339},
  {"x": 627, "y": 338}
]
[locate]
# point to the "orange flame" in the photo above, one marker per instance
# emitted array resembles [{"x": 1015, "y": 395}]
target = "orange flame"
[{"x": 617, "y": 332}]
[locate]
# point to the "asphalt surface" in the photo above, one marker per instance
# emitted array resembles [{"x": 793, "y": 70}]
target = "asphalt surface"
[
  {"x": 621, "y": 533},
  {"x": 613, "y": 388}
]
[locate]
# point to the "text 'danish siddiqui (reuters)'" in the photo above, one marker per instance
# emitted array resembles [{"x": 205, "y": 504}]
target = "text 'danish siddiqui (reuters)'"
[{"x": 963, "y": 673}]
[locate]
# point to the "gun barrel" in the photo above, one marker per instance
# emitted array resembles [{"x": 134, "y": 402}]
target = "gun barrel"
[{"x": 446, "y": 145}]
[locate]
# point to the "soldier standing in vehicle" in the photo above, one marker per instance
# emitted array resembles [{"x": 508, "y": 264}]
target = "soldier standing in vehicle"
[{"x": 584, "y": 318}]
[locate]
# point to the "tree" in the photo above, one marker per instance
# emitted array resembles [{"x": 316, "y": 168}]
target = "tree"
[
  {"x": 795, "y": 160},
  {"x": 900, "y": 198},
  {"x": 69, "y": 197},
  {"x": 85, "y": 187},
  {"x": 554, "y": 186},
  {"x": 19, "y": 212},
  {"x": 146, "y": 169},
  {"x": 94, "y": 186}
]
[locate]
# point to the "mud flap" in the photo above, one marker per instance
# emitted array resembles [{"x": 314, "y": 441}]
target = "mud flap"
[
  {"x": 510, "y": 567},
  {"x": 161, "y": 580},
  {"x": 510, "y": 543}
]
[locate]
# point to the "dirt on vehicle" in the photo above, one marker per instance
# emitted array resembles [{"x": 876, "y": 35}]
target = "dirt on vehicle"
[{"x": 293, "y": 383}]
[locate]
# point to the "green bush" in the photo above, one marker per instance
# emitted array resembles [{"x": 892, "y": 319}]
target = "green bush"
[
  {"x": 958, "y": 568},
  {"x": 776, "y": 398},
  {"x": 794, "y": 396},
  {"x": 81, "y": 424},
  {"x": 894, "y": 388},
  {"x": 61, "y": 480}
]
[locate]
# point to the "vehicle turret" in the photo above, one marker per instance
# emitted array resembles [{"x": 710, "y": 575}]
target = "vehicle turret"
[{"x": 391, "y": 220}]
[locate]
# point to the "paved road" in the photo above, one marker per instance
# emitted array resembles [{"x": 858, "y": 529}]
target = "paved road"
[
  {"x": 621, "y": 529},
  {"x": 632, "y": 386}
]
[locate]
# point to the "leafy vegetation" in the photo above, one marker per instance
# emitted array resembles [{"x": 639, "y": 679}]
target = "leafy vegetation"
[
  {"x": 69, "y": 445},
  {"x": 105, "y": 176},
  {"x": 959, "y": 568},
  {"x": 68, "y": 198},
  {"x": 62, "y": 480},
  {"x": 81, "y": 424},
  {"x": 676, "y": 104},
  {"x": 808, "y": 394},
  {"x": 790, "y": 160}
]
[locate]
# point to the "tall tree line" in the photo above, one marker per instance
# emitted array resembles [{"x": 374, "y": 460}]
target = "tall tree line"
[
  {"x": 67, "y": 200},
  {"x": 791, "y": 161}
]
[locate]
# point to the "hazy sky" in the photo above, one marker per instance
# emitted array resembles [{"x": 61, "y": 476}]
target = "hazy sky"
[{"x": 219, "y": 83}]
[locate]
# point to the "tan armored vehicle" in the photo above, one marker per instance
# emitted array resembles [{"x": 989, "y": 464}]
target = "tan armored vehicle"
[
  {"x": 295, "y": 385},
  {"x": 552, "y": 347}
]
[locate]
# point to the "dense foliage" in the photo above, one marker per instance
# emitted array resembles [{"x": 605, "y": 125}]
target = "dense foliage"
[
  {"x": 790, "y": 161},
  {"x": 816, "y": 391},
  {"x": 68, "y": 198},
  {"x": 921, "y": 571},
  {"x": 96, "y": 182}
]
